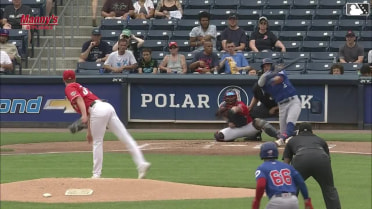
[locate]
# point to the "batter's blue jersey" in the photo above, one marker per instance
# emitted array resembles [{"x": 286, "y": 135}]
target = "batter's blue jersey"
[
  {"x": 280, "y": 177},
  {"x": 279, "y": 91}
]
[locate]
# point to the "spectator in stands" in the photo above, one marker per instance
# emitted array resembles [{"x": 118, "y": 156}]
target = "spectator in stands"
[
  {"x": 9, "y": 48},
  {"x": 49, "y": 7},
  {"x": 169, "y": 9},
  {"x": 1, "y": 18},
  {"x": 369, "y": 60},
  {"x": 366, "y": 70},
  {"x": 95, "y": 50},
  {"x": 134, "y": 42},
  {"x": 118, "y": 9},
  {"x": 6, "y": 65},
  {"x": 146, "y": 63},
  {"x": 144, "y": 9},
  {"x": 234, "y": 33},
  {"x": 263, "y": 39},
  {"x": 204, "y": 32},
  {"x": 233, "y": 62},
  {"x": 174, "y": 62},
  {"x": 13, "y": 14},
  {"x": 122, "y": 60},
  {"x": 351, "y": 52},
  {"x": 252, "y": 72},
  {"x": 205, "y": 62},
  {"x": 336, "y": 69},
  {"x": 94, "y": 12}
]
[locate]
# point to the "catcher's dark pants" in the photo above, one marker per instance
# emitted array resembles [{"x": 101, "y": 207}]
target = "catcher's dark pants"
[
  {"x": 316, "y": 163},
  {"x": 261, "y": 112}
]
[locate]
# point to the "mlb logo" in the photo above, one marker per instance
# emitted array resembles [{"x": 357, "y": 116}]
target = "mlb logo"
[{"x": 357, "y": 9}]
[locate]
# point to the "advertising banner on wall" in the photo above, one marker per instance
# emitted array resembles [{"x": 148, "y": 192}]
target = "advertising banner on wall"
[
  {"x": 198, "y": 103},
  {"x": 47, "y": 103}
]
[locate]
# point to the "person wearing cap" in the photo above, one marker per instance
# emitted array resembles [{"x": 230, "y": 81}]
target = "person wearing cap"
[
  {"x": 203, "y": 32},
  {"x": 277, "y": 84},
  {"x": 233, "y": 62},
  {"x": 264, "y": 40},
  {"x": 122, "y": 60},
  {"x": 309, "y": 155},
  {"x": 95, "y": 50},
  {"x": 134, "y": 42},
  {"x": 118, "y": 9},
  {"x": 206, "y": 61},
  {"x": 174, "y": 62},
  {"x": 351, "y": 52},
  {"x": 99, "y": 115},
  {"x": 144, "y": 9},
  {"x": 234, "y": 33},
  {"x": 9, "y": 48}
]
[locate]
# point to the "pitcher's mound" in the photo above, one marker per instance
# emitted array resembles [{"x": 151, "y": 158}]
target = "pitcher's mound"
[{"x": 113, "y": 190}]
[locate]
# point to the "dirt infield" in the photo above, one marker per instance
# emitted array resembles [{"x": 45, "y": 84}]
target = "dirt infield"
[{"x": 133, "y": 189}]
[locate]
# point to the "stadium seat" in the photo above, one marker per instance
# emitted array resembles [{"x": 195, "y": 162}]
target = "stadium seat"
[
  {"x": 197, "y": 4},
  {"x": 317, "y": 67},
  {"x": 301, "y": 14},
  {"x": 255, "y": 65},
  {"x": 22, "y": 37},
  {"x": 188, "y": 55},
  {"x": 163, "y": 24},
  {"x": 367, "y": 45},
  {"x": 292, "y": 35},
  {"x": 296, "y": 68},
  {"x": 305, "y": 4},
  {"x": 254, "y": 4},
  {"x": 192, "y": 13},
  {"x": 334, "y": 46},
  {"x": 249, "y": 14},
  {"x": 318, "y": 35},
  {"x": 221, "y": 14},
  {"x": 368, "y": 25},
  {"x": 223, "y": 4},
  {"x": 351, "y": 67},
  {"x": 341, "y": 35},
  {"x": 155, "y": 45},
  {"x": 365, "y": 36},
  {"x": 331, "y": 4},
  {"x": 356, "y": 25},
  {"x": 158, "y": 55},
  {"x": 327, "y": 14},
  {"x": 187, "y": 24},
  {"x": 138, "y": 24},
  {"x": 220, "y": 24},
  {"x": 279, "y": 4},
  {"x": 327, "y": 57},
  {"x": 110, "y": 42},
  {"x": 292, "y": 46},
  {"x": 180, "y": 34},
  {"x": 113, "y": 24},
  {"x": 183, "y": 45},
  {"x": 276, "y": 25},
  {"x": 247, "y": 25},
  {"x": 325, "y": 25},
  {"x": 275, "y": 56},
  {"x": 110, "y": 34},
  {"x": 315, "y": 46},
  {"x": 159, "y": 35},
  {"x": 140, "y": 33},
  {"x": 296, "y": 25},
  {"x": 92, "y": 68},
  {"x": 249, "y": 56},
  {"x": 291, "y": 56},
  {"x": 275, "y": 14}
]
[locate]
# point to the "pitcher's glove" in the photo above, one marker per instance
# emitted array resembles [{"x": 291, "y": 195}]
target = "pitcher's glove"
[
  {"x": 308, "y": 204},
  {"x": 237, "y": 119},
  {"x": 76, "y": 126}
]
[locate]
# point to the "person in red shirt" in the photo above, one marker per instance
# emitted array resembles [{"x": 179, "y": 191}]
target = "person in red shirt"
[{"x": 98, "y": 115}]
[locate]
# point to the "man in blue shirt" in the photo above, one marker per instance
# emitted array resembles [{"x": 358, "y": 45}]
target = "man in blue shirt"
[{"x": 233, "y": 62}]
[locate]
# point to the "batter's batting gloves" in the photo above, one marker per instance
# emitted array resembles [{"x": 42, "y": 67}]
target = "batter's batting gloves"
[{"x": 76, "y": 126}]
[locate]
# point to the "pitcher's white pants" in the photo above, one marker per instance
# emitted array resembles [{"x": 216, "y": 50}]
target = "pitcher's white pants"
[{"x": 103, "y": 115}]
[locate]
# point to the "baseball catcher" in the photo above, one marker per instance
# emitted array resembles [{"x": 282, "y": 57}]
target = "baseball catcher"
[{"x": 239, "y": 121}]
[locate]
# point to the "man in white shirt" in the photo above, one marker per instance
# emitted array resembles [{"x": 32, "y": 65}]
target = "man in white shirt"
[
  {"x": 203, "y": 32},
  {"x": 6, "y": 64},
  {"x": 121, "y": 60}
]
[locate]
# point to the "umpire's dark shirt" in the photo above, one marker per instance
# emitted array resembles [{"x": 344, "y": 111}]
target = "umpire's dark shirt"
[
  {"x": 305, "y": 142},
  {"x": 263, "y": 97}
]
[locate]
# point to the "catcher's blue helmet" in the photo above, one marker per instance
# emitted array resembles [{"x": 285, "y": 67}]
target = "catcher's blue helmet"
[{"x": 269, "y": 151}]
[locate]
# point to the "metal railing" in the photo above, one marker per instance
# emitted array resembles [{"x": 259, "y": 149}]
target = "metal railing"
[{"x": 50, "y": 45}]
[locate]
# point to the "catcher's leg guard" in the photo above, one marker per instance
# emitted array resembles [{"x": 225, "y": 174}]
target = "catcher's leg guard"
[
  {"x": 219, "y": 136},
  {"x": 269, "y": 129}
]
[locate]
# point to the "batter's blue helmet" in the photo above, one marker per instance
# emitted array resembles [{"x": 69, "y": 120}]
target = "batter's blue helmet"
[
  {"x": 269, "y": 151},
  {"x": 267, "y": 61}
]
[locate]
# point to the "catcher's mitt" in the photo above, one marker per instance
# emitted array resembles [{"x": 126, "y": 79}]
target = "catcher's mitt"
[
  {"x": 237, "y": 119},
  {"x": 222, "y": 112},
  {"x": 76, "y": 126}
]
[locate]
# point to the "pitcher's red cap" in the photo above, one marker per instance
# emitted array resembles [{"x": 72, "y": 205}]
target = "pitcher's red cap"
[{"x": 68, "y": 75}]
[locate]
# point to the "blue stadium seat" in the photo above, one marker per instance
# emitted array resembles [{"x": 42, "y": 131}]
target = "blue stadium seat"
[
  {"x": 188, "y": 55},
  {"x": 365, "y": 36},
  {"x": 296, "y": 25},
  {"x": 247, "y": 25},
  {"x": 110, "y": 42},
  {"x": 276, "y": 25},
  {"x": 22, "y": 37},
  {"x": 368, "y": 25},
  {"x": 351, "y": 67},
  {"x": 318, "y": 35},
  {"x": 249, "y": 14},
  {"x": 327, "y": 14},
  {"x": 159, "y": 35},
  {"x": 113, "y": 24},
  {"x": 90, "y": 68},
  {"x": 279, "y": 4},
  {"x": 327, "y": 57},
  {"x": 140, "y": 33},
  {"x": 356, "y": 25},
  {"x": 254, "y": 4},
  {"x": 334, "y": 46},
  {"x": 163, "y": 24},
  {"x": 192, "y": 13},
  {"x": 138, "y": 24},
  {"x": 180, "y": 34},
  {"x": 223, "y": 4},
  {"x": 110, "y": 34},
  {"x": 292, "y": 46},
  {"x": 305, "y": 4},
  {"x": 255, "y": 65},
  {"x": 315, "y": 46},
  {"x": 249, "y": 56},
  {"x": 158, "y": 55},
  {"x": 326, "y": 25},
  {"x": 183, "y": 45},
  {"x": 292, "y": 35},
  {"x": 301, "y": 14},
  {"x": 220, "y": 24},
  {"x": 341, "y": 35},
  {"x": 318, "y": 67},
  {"x": 155, "y": 45},
  {"x": 331, "y": 4},
  {"x": 221, "y": 14},
  {"x": 275, "y": 14},
  {"x": 291, "y": 56},
  {"x": 296, "y": 68},
  {"x": 367, "y": 45},
  {"x": 197, "y": 4},
  {"x": 187, "y": 24},
  {"x": 275, "y": 56}
]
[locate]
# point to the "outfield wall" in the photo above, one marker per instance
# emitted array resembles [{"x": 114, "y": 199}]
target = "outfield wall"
[{"x": 179, "y": 100}]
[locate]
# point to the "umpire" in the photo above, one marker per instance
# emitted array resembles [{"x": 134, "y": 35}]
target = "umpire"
[{"x": 310, "y": 156}]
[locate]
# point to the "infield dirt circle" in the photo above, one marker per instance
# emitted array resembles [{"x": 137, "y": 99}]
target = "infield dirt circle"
[{"x": 135, "y": 189}]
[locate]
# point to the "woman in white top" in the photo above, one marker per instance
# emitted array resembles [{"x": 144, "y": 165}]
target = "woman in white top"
[
  {"x": 144, "y": 9},
  {"x": 174, "y": 62}
]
